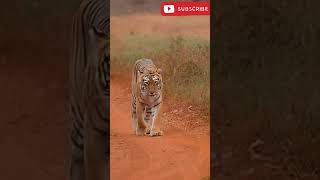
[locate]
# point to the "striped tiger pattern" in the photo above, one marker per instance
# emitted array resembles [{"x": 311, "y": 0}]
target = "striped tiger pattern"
[
  {"x": 147, "y": 88},
  {"x": 89, "y": 91}
]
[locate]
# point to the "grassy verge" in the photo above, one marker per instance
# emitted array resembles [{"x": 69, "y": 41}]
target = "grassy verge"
[{"x": 184, "y": 60}]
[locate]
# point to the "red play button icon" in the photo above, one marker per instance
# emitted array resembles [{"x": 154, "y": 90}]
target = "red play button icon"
[{"x": 168, "y": 8}]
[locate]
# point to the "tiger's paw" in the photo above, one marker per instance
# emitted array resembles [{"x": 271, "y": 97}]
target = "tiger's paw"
[
  {"x": 140, "y": 131},
  {"x": 147, "y": 131},
  {"x": 155, "y": 133}
]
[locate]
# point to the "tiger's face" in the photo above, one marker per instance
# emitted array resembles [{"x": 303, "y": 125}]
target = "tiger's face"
[{"x": 151, "y": 86}]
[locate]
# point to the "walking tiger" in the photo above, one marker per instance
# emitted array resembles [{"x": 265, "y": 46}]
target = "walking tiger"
[{"x": 147, "y": 88}]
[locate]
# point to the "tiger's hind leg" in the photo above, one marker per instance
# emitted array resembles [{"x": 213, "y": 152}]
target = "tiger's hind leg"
[{"x": 134, "y": 115}]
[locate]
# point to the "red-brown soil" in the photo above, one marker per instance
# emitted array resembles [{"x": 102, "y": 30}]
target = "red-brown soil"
[{"x": 182, "y": 153}]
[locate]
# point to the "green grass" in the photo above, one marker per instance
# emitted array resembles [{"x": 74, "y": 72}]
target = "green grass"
[{"x": 185, "y": 63}]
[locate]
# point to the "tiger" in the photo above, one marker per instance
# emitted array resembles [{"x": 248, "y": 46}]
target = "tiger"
[
  {"x": 89, "y": 92},
  {"x": 147, "y": 88}
]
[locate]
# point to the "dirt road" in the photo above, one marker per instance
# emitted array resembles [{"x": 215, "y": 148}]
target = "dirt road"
[{"x": 176, "y": 155}]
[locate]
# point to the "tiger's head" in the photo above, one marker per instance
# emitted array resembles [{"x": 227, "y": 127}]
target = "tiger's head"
[{"x": 150, "y": 85}]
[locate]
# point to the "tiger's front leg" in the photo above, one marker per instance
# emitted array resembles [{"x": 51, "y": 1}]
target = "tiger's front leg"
[
  {"x": 154, "y": 130},
  {"x": 141, "y": 126}
]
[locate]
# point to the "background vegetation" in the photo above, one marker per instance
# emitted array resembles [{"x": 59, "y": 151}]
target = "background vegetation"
[{"x": 184, "y": 61}]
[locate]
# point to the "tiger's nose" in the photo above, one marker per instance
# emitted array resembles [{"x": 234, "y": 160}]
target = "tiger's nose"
[{"x": 152, "y": 93}]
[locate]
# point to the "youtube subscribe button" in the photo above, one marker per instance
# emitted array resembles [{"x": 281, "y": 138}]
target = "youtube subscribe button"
[{"x": 185, "y": 8}]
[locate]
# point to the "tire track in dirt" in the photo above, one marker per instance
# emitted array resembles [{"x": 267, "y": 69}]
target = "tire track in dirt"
[{"x": 176, "y": 155}]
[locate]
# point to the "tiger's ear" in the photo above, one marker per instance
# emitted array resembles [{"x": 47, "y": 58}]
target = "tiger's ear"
[{"x": 159, "y": 70}]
